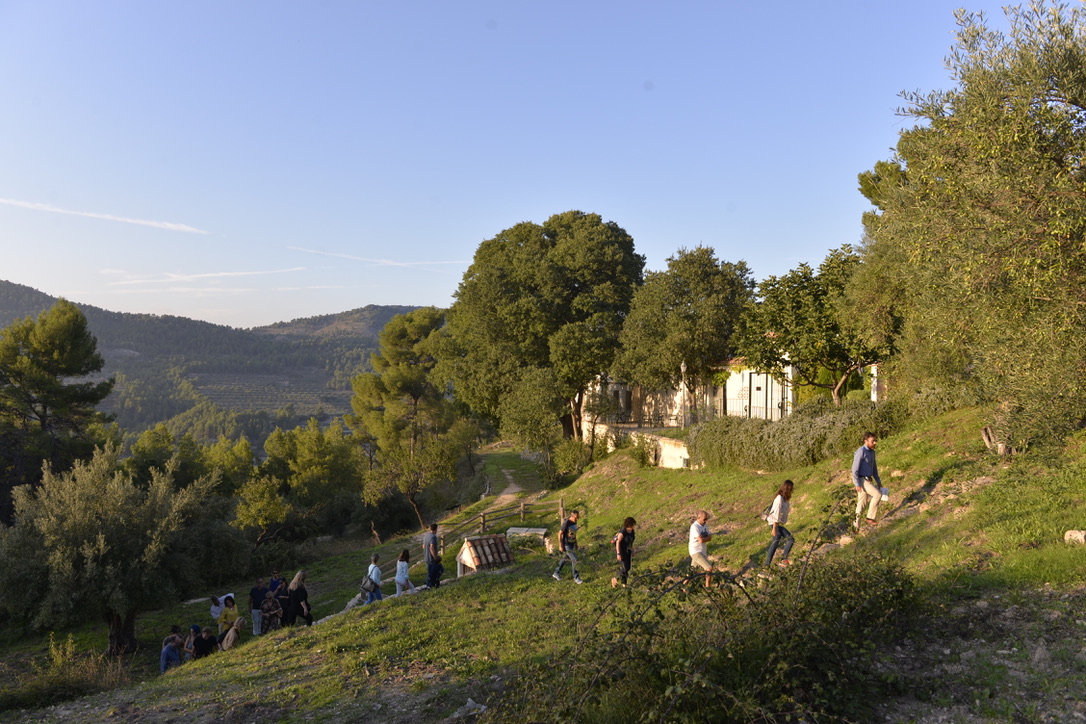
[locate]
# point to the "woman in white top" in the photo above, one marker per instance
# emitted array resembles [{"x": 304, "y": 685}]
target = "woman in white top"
[
  {"x": 402, "y": 581},
  {"x": 778, "y": 516},
  {"x": 375, "y": 574}
]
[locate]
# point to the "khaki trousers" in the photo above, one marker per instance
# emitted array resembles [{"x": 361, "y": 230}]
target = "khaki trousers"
[{"x": 869, "y": 497}]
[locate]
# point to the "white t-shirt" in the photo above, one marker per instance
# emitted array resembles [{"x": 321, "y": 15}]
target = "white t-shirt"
[
  {"x": 696, "y": 545},
  {"x": 778, "y": 513},
  {"x": 375, "y": 573}
]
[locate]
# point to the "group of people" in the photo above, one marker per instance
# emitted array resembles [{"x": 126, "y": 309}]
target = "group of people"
[
  {"x": 279, "y": 603},
  {"x": 434, "y": 569},
  {"x": 865, "y": 479},
  {"x": 283, "y": 604}
]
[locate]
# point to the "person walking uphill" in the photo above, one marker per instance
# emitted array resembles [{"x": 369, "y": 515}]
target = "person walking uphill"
[
  {"x": 624, "y": 551},
  {"x": 777, "y": 517},
  {"x": 865, "y": 478},
  {"x": 567, "y": 547},
  {"x": 698, "y": 548}
]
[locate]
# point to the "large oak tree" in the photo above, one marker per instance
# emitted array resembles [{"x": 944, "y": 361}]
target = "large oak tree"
[{"x": 541, "y": 296}]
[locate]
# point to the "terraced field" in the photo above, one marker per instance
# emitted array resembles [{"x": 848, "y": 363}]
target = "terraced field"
[{"x": 307, "y": 390}]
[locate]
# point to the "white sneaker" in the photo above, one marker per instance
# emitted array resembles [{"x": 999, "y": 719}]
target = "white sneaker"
[
  {"x": 556, "y": 577},
  {"x": 577, "y": 580}
]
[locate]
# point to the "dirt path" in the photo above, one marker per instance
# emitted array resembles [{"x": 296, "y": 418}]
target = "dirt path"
[{"x": 509, "y": 494}]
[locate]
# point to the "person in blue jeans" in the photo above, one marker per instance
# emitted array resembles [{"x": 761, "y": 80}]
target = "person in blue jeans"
[
  {"x": 778, "y": 516},
  {"x": 375, "y": 573},
  {"x": 567, "y": 547}
]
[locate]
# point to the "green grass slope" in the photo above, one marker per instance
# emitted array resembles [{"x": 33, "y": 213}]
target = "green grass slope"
[{"x": 968, "y": 525}]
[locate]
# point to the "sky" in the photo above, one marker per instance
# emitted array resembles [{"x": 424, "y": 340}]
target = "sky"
[{"x": 251, "y": 162}]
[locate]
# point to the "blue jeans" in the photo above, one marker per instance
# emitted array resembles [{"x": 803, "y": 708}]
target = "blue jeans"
[
  {"x": 374, "y": 596},
  {"x": 572, "y": 557},
  {"x": 782, "y": 535},
  {"x": 432, "y": 575}
]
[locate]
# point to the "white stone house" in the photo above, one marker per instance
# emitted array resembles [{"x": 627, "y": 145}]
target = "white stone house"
[{"x": 745, "y": 393}]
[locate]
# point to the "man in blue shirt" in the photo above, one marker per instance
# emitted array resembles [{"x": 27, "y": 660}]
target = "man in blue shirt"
[
  {"x": 865, "y": 478},
  {"x": 171, "y": 653}
]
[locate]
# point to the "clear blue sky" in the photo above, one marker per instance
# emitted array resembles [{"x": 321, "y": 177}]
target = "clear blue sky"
[{"x": 251, "y": 162}]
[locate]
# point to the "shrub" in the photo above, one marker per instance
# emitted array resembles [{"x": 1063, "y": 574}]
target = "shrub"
[
  {"x": 67, "y": 675},
  {"x": 813, "y": 432},
  {"x": 645, "y": 451},
  {"x": 571, "y": 456},
  {"x": 802, "y": 646}
]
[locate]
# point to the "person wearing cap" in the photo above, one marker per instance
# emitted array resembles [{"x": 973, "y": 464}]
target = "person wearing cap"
[
  {"x": 866, "y": 480},
  {"x": 699, "y": 548}
]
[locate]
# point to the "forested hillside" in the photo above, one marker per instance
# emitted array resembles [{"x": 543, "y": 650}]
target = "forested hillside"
[{"x": 210, "y": 379}]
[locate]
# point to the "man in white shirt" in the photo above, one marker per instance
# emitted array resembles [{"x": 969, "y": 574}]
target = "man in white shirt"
[{"x": 699, "y": 550}]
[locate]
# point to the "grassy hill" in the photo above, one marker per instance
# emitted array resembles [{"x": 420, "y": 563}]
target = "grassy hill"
[{"x": 1000, "y": 597}]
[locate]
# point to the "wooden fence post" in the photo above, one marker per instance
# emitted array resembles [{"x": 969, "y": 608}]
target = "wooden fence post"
[
  {"x": 440, "y": 546},
  {"x": 522, "y": 511},
  {"x": 482, "y": 522},
  {"x": 561, "y": 509}
]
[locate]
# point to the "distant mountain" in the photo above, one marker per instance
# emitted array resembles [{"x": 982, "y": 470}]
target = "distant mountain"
[
  {"x": 204, "y": 378},
  {"x": 366, "y": 322}
]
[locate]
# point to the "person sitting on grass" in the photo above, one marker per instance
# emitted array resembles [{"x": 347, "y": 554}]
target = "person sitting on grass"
[
  {"x": 232, "y": 637},
  {"x": 204, "y": 644},
  {"x": 187, "y": 651},
  {"x": 170, "y": 656}
]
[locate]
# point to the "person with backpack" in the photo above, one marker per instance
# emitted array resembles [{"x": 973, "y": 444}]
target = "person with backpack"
[
  {"x": 777, "y": 517},
  {"x": 623, "y": 541},
  {"x": 374, "y": 574}
]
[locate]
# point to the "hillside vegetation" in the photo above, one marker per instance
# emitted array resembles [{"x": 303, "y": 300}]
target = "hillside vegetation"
[
  {"x": 210, "y": 379},
  {"x": 1000, "y": 598}
]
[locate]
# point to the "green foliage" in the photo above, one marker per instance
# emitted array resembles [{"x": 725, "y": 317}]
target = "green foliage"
[
  {"x": 799, "y": 322},
  {"x": 572, "y": 456},
  {"x": 67, "y": 675},
  {"x": 803, "y": 645},
  {"x": 550, "y": 296},
  {"x": 47, "y": 398},
  {"x": 645, "y": 450},
  {"x": 405, "y": 416},
  {"x": 686, "y": 314},
  {"x": 977, "y": 244},
  {"x": 813, "y": 432},
  {"x": 309, "y": 481},
  {"x": 102, "y": 541}
]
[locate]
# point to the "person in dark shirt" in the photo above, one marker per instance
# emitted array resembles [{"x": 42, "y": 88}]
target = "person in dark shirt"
[
  {"x": 204, "y": 644},
  {"x": 256, "y": 599},
  {"x": 624, "y": 551},
  {"x": 567, "y": 547}
]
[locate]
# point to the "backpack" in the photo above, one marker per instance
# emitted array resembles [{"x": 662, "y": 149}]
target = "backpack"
[
  {"x": 368, "y": 585},
  {"x": 765, "y": 513}
]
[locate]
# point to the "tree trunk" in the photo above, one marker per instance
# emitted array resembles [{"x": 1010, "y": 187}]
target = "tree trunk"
[
  {"x": 576, "y": 405},
  {"x": 418, "y": 511},
  {"x": 122, "y": 633}
]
